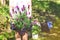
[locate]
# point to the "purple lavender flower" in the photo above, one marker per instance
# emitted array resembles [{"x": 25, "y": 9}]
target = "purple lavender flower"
[
  {"x": 17, "y": 7},
  {"x": 35, "y": 21},
  {"x": 13, "y": 10},
  {"x": 23, "y": 8},
  {"x": 16, "y": 12},
  {"x": 28, "y": 6},
  {"x": 29, "y": 12}
]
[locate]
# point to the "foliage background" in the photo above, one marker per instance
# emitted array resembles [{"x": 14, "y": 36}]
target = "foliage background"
[{"x": 48, "y": 10}]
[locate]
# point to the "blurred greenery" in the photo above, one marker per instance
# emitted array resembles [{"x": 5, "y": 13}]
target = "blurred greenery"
[
  {"x": 35, "y": 29},
  {"x": 5, "y": 32},
  {"x": 47, "y": 10}
]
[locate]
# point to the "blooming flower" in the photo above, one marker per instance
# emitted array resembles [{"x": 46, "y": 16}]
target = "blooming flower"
[
  {"x": 35, "y": 21},
  {"x": 17, "y": 7},
  {"x": 28, "y": 7},
  {"x": 16, "y": 12},
  {"x": 23, "y": 8},
  {"x": 27, "y": 13},
  {"x": 13, "y": 10}
]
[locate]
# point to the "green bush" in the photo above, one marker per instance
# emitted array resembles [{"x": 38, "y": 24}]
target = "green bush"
[{"x": 35, "y": 29}]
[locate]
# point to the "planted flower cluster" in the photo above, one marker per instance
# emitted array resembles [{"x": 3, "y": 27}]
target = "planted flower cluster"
[{"x": 21, "y": 20}]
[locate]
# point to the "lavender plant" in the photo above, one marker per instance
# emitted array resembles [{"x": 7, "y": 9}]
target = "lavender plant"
[{"x": 21, "y": 20}]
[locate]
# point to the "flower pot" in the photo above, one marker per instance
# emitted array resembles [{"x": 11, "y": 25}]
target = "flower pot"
[{"x": 35, "y": 36}]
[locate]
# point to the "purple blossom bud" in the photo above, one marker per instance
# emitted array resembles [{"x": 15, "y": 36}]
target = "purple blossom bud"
[
  {"x": 23, "y": 8},
  {"x": 16, "y": 12},
  {"x": 13, "y": 10},
  {"x": 17, "y": 7},
  {"x": 28, "y": 6},
  {"x": 35, "y": 21},
  {"x": 29, "y": 12}
]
